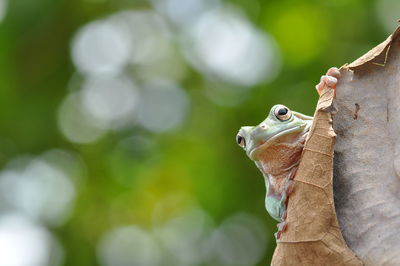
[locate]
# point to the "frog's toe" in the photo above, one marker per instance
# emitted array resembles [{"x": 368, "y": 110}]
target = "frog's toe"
[
  {"x": 289, "y": 188},
  {"x": 284, "y": 215},
  {"x": 281, "y": 228},
  {"x": 330, "y": 79},
  {"x": 326, "y": 81},
  {"x": 333, "y": 72}
]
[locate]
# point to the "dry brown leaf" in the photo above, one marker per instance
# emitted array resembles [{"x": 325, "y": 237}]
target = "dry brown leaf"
[
  {"x": 366, "y": 167},
  {"x": 367, "y": 154},
  {"x": 313, "y": 236}
]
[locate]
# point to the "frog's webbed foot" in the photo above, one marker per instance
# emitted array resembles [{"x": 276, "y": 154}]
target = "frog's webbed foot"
[
  {"x": 289, "y": 187},
  {"x": 330, "y": 79}
]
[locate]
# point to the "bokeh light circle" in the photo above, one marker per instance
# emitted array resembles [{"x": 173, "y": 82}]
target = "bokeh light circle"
[
  {"x": 223, "y": 44},
  {"x": 128, "y": 246},
  {"x": 111, "y": 100},
  {"x": 101, "y": 47},
  {"x": 3, "y": 9},
  {"x": 148, "y": 32},
  {"x": 185, "y": 236},
  {"x": 183, "y": 13},
  {"x": 240, "y": 240},
  {"x": 23, "y": 243},
  {"x": 76, "y": 123},
  {"x": 38, "y": 189},
  {"x": 163, "y": 106}
]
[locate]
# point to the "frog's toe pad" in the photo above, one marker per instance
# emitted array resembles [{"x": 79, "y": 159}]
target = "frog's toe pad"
[
  {"x": 330, "y": 79},
  {"x": 281, "y": 228},
  {"x": 284, "y": 215},
  {"x": 334, "y": 72}
]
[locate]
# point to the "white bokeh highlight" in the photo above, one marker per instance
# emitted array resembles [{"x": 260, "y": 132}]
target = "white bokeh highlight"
[
  {"x": 154, "y": 53},
  {"x": 163, "y": 106},
  {"x": 183, "y": 13},
  {"x": 223, "y": 44},
  {"x": 23, "y": 243},
  {"x": 239, "y": 240},
  {"x": 3, "y": 9},
  {"x": 39, "y": 190},
  {"x": 189, "y": 238},
  {"x": 185, "y": 237},
  {"x": 76, "y": 123},
  {"x": 101, "y": 47},
  {"x": 128, "y": 246},
  {"x": 149, "y": 34},
  {"x": 111, "y": 100}
]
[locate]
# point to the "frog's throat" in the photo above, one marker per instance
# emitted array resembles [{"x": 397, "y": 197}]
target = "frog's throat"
[{"x": 302, "y": 128}]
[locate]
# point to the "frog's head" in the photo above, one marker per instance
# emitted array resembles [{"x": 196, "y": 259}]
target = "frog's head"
[{"x": 281, "y": 125}]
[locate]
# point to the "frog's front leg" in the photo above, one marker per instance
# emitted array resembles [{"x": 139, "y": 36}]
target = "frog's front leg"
[
  {"x": 277, "y": 199},
  {"x": 288, "y": 189}
]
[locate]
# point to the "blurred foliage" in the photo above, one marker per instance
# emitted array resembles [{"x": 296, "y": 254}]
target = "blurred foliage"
[{"x": 138, "y": 177}]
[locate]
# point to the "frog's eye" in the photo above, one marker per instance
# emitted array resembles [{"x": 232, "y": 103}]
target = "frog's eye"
[
  {"x": 241, "y": 141},
  {"x": 282, "y": 113}
]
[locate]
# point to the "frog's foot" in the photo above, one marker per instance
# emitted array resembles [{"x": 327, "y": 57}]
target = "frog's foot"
[
  {"x": 281, "y": 228},
  {"x": 289, "y": 187},
  {"x": 285, "y": 197},
  {"x": 330, "y": 80},
  {"x": 292, "y": 173},
  {"x": 284, "y": 215}
]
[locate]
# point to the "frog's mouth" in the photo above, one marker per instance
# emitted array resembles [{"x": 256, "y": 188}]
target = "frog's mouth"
[{"x": 257, "y": 149}]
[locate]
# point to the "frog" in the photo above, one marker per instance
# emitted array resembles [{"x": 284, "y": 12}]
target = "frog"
[{"x": 276, "y": 145}]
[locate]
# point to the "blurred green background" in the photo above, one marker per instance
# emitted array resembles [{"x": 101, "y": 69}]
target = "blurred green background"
[{"x": 118, "y": 121}]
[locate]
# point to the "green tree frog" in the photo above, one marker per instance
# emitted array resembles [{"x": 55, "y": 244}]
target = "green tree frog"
[{"x": 276, "y": 145}]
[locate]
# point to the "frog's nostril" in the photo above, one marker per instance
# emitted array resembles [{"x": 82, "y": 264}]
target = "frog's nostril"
[{"x": 263, "y": 126}]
